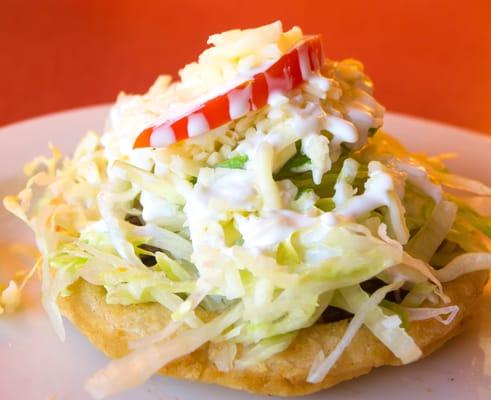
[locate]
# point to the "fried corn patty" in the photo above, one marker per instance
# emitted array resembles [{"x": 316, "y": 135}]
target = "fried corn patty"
[{"x": 111, "y": 326}]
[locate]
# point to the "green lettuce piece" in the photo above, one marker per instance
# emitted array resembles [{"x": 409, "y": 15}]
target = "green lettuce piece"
[
  {"x": 431, "y": 235},
  {"x": 395, "y": 308},
  {"x": 67, "y": 271},
  {"x": 237, "y": 162},
  {"x": 418, "y": 294},
  {"x": 174, "y": 270},
  {"x": 149, "y": 182},
  {"x": 270, "y": 311},
  {"x": 418, "y": 207},
  {"x": 298, "y": 160},
  {"x": 265, "y": 349},
  {"x": 326, "y": 204},
  {"x": 471, "y": 231},
  {"x": 354, "y": 259},
  {"x": 125, "y": 284},
  {"x": 286, "y": 254},
  {"x": 97, "y": 236},
  {"x": 231, "y": 234},
  {"x": 392, "y": 335},
  {"x": 480, "y": 222},
  {"x": 290, "y": 311},
  {"x": 326, "y": 188}
]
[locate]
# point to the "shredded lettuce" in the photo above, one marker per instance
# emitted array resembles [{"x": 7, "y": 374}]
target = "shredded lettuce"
[
  {"x": 223, "y": 355},
  {"x": 470, "y": 231},
  {"x": 264, "y": 350},
  {"x": 164, "y": 239},
  {"x": 464, "y": 264},
  {"x": 390, "y": 308},
  {"x": 262, "y": 224},
  {"x": 444, "y": 315},
  {"x": 427, "y": 240},
  {"x": 461, "y": 183},
  {"x": 386, "y": 328},
  {"x": 340, "y": 256},
  {"x": 141, "y": 364},
  {"x": 418, "y": 207},
  {"x": 418, "y": 294},
  {"x": 236, "y": 162},
  {"x": 147, "y": 181}
]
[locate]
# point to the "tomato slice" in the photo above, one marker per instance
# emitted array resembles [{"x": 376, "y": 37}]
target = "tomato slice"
[{"x": 288, "y": 72}]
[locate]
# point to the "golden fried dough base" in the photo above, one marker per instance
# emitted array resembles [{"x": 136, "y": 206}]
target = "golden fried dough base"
[{"x": 109, "y": 327}]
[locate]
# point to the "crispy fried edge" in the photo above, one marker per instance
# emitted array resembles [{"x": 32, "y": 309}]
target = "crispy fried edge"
[{"x": 109, "y": 327}]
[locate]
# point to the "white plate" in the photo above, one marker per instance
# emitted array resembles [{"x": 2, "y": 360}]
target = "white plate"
[{"x": 35, "y": 365}]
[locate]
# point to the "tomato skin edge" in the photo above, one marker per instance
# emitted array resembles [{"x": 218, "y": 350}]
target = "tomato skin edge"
[
  {"x": 143, "y": 139},
  {"x": 259, "y": 96}
]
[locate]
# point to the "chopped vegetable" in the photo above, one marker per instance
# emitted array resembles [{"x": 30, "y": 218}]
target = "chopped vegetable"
[
  {"x": 427, "y": 240},
  {"x": 236, "y": 162}
]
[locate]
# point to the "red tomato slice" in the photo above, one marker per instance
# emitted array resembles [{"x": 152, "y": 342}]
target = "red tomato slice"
[{"x": 284, "y": 75}]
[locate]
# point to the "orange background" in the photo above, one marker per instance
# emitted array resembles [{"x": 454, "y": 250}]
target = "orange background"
[{"x": 427, "y": 58}]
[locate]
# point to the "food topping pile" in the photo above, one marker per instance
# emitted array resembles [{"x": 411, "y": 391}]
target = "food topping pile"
[{"x": 261, "y": 189}]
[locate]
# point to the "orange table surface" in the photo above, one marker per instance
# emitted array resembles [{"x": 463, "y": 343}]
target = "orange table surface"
[{"x": 427, "y": 58}]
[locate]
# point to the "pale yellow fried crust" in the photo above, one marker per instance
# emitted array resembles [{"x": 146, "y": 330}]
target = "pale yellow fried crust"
[{"x": 109, "y": 327}]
